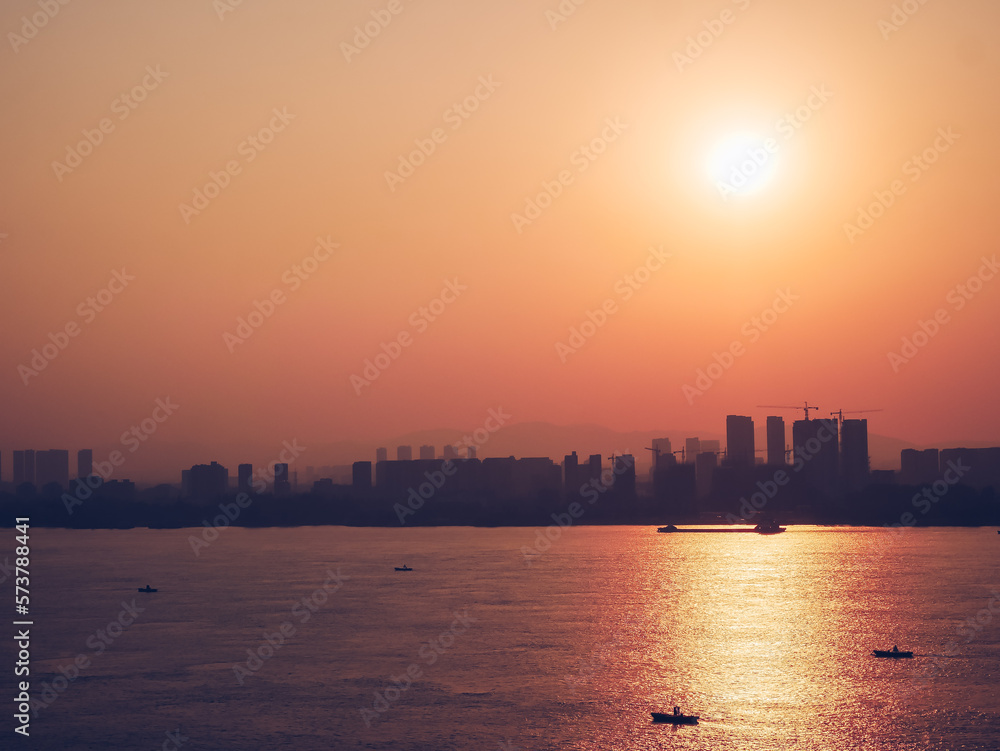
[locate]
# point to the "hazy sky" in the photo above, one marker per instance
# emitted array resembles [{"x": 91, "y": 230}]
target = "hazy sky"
[{"x": 482, "y": 177}]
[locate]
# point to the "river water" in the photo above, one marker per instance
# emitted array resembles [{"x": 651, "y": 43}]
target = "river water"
[{"x": 306, "y": 638}]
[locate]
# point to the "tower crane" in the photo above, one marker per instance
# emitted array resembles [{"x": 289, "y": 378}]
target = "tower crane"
[
  {"x": 807, "y": 407},
  {"x": 841, "y": 412}
]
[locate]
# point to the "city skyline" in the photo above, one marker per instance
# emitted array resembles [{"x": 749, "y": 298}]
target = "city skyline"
[
  {"x": 737, "y": 448},
  {"x": 491, "y": 227},
  {"x": 824, "y": 476},
  {"x": 478, "y": 375}
]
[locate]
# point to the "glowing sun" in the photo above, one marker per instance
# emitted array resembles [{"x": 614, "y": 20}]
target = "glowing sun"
[{"x": 742, "y": 164}]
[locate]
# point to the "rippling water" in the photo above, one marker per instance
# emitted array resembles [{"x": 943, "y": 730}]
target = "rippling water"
[{"x": 768, "y": 639}]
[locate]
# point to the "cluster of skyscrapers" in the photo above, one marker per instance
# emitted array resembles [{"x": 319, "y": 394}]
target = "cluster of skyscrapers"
[
  {"x": 827, "y": 457},
  {"x": 831, "y": 456},
  {"x": 980, "y": 466},
  {"x": 209, "y": 481},
  {"x": 41, "y": 468}
]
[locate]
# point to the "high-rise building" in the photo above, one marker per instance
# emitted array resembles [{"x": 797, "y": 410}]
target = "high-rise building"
[
  {"x": 404, "y": 453},
  {"x": 739, "y": 441},
  {"x": 977, "y": 468},
  {"x": 594, "y": 467},
  {"x": 18, "y": 468},
  {"x": 576, "y": 473},
  {"x": 662, "y": 455},
  {"x": 84, "y": 463},
  {"x": 531, "y": 475},
  {"x": 704, "y": 467},
  {"x": 571, "y": 472},
  {"x": 854, "y": 454},
  {"x": 661, "y": 445},
  {"x": 244, "y": 478},
  {"x": 918, "y": 467},
  {"x": 471, "y": 452},
  {"x": 692, "y": 447},
  {"x": 624, "y": 476},
  {"x": 381, "y": 455},
  {"x": 426, "y": 452},
  {"x": 119, "y": 490},
  {"x": 816, "y": 452},
  {"x": 361, "y": 475},
  {"x": 52, "y": 466},
  {"x": 206, "y": 482},
  {"x": 282, "y": 485},
  {"x": 775, "y": 440},
  {"x": 29, "y": 466},
  {"x": 450, "y": 452},
  {"x": 675, "y": 490},
  {"x": 711, "y": 446}
]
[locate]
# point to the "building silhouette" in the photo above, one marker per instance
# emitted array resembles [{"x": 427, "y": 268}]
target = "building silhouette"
[
  {"x": 361, "y": 475},
  {"x": 739, "y": 441},
  {"x": 450, "y": 452},
  {"x": 381, "y": 454},
  {"x": 711, "y": 446},
  {"x": 572, "y": 479},
  {"x": 244, "y": 478},
  {"x": 426, "y": 452},
  {"x": 918, "y": 467},
  {"x": 661, "y": 446},
  {"x": 704, "y": 469},
  {"x": 282, "y": 484},
  {"x": 675, "y": 489},
  {"x": 692, "y": 447},
  {"x": 118, "y": 490},
  {"x": 84, "y": 463},
  {"x": 978, "y": 468},
  {"x": 775, "y": 440},
  {"x": 534, "y": 475},
  {"x": 52, "y": 466},
  {"x": 623, "y": 472},
  {"x": 17, "y": 468},
  {"x": 29, "y": 466},
  {"x": 205, "y": 482},
  {"x": 404, "y": 453},
  {"x": 854, "y": 467},
  {"x": 576, "y": 474},
  {"x": 816, "y": 452}
]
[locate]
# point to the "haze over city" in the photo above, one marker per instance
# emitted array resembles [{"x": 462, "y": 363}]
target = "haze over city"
[
  {"x": 453, "y": 376},
  {"x": 617, "y": 103}
]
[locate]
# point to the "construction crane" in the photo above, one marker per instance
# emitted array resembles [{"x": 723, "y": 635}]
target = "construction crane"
[
  {"x": 656, "y": 454},
  {"x": 840, "y": 413},
  {"x": 772, "y": 406}
]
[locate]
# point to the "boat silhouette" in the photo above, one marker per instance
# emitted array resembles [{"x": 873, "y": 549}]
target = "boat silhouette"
[{"x": 676, "y": 718}]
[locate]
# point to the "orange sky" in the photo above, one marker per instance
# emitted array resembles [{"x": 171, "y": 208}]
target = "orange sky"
[{"x": 621, "y": 110}]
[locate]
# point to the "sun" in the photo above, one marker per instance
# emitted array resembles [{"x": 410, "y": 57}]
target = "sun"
[{"x": 742, "y": 164}]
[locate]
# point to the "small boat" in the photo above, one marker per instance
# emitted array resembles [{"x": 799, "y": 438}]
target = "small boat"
[
  {"x": 668, "y": 528},
  {"x": 404, "y": 567},
  {"x": 147, "y": 588},
  {"x": 893, "y": 653},
  {"x": 769, "y": 527},
  {"x": 676, "y": 718}
]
